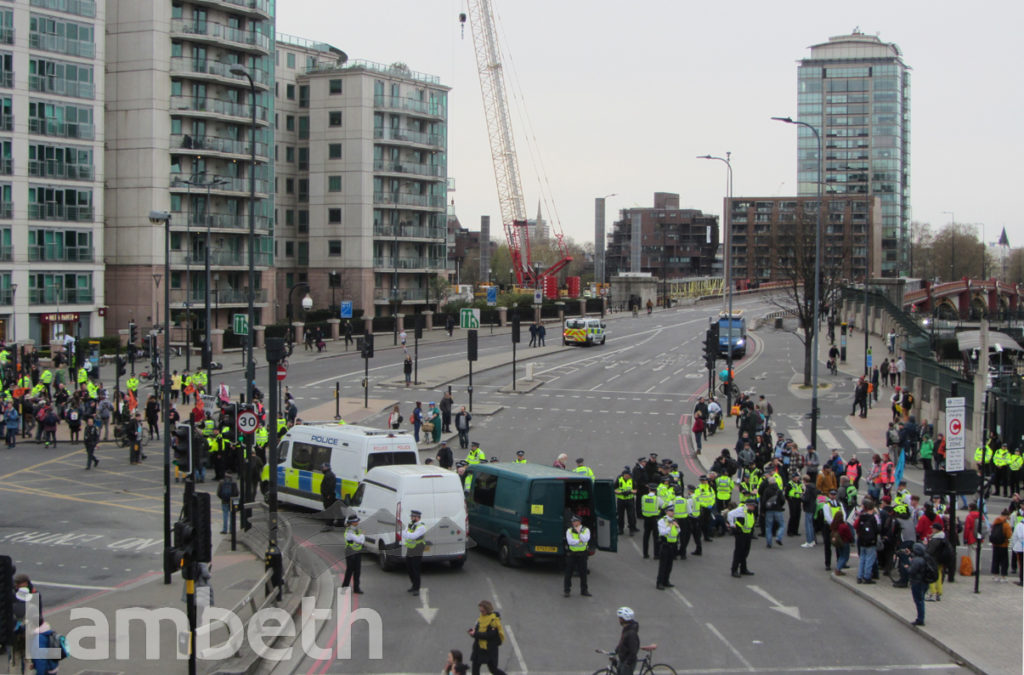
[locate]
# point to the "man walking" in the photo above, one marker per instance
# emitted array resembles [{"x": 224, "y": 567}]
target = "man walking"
[
  {"x": 462, "y": 420},
  {"x": 92, "y": 439},
  {"x": 577, "y": 540},
  {"x": 533, "y": 334}
]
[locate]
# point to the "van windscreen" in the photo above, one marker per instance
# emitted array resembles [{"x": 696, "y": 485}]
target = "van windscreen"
[{"x": 390, "y": 459}]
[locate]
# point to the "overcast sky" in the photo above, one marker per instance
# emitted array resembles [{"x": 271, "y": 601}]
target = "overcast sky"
[{"x": 621, "y": 96}]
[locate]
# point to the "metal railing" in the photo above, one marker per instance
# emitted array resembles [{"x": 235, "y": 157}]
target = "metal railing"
[
  {"x": 61, "y": 86},
  {"x": 409, "y": 136},
  {"x": 220, "y": 296},
  {"x": 57, "y": 253},
  {"x": 79, "y": 7},
  {"x": 405, "y": 199},
  {"x": 409, "y": 263},
  {"x": 6, "y": 122},
  {"x": 408, "y": 167},
  {"x": 221, "y": 258},
  {"x": 49, "y": 168},
  {"x": 217, "y": 144},
  {"x": 6, "y": 79},
  {"x": 218, "y": 107},
  {"x": 61, "y": 45},
  {"x": 6, "y": 210},
  {"x": 409, "y": 231},
  {"x": 59, "y": 212},
  {"x": 7, "y": 35},
  {"x": 186, "y": 65},
  {"x": 396, "y": 69},
  {"x": 262, "y": 6},
  {"x": 6, "y": 253},
  {"x": 49, "y": 127},
  {"x": 227, "y": 184},
  {"x": 431, "y": 108},
  {"x": 179, "y": 220},
  {"x": 6, "y": 296},
  {"x": 404, "y": 294},
  {"x": 222, "y": 32}
]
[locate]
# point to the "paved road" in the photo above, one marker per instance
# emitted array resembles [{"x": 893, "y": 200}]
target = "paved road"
[{"x": 610, "y": 404}]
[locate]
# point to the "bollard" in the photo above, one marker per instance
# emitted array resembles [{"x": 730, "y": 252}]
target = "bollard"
[
  {"x": 529, "y": 372},
  {"x": 337, "y": 400}
]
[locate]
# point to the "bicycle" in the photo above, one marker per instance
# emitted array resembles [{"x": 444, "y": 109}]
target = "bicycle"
[
  {"x": 646, "y": 667},
  {"x": 729, "y": 389}
]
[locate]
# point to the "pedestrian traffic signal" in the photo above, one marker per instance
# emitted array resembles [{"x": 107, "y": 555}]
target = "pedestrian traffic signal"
[
  {"x": 515, "y": 327},
  {"x": 181, "y": 445},
  {"x": 133, "y": 333},
  {"x": 121, "y": 365},
  {"x": 471, "y": 351},
  {"x": 6, "y": 600},
  {"x": 367, "y": 346},
  {"x": 202, "y": 534},
  {"x": 419, "y": 326}
]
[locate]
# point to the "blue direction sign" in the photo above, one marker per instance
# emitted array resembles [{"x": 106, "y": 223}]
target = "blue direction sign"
[
  {"x": 492, "y": 295},
  {"x": 346, "y": 309}
]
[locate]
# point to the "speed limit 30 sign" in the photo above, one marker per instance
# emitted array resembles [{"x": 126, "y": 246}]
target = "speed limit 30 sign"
[{"x": 247, "y": 422}]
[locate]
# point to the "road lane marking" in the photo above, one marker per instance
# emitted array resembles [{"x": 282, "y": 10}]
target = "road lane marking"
[
  {"x": 798, "y": 437},
  {"x": 689, "y": 605},
  {"x": 93, "y": 502},
  {"x": 728, "y": 644},
  {"x": 857, "y": 440},
  {"x": 831, "y": 442},
  {"x": 82, "y": 587},
  {"x": 7, "y": 476},
  {"x": 516, "y": 649}
]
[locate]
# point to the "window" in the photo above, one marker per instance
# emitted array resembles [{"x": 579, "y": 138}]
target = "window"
[
  {"x": 484, "y": 487},
  {"x": 303, "y": 189},
  {"x": 334, "y": 217},
  {"x": 289, "y": 154},
  {"x": 334, "y": 118},
  {"x": 289, "y": 249},
  {"x": 289, "y": 122},
  {"x": 303, "y": 221},
  {"x": 335, "y": 86},
  {"x": 289, "y": 92},
  {"x": 291, "y": 60},
  {"x": 176, "y": 11},
  {"x": 289, "y": 217},
  {"x": 303, "y": 95},
  {"x": 304, "y": 127},
  {"x": 303, "y": 159},
  {"x": 334, "y": 247},
  {"x": 289, "y": 186},
  {"x": 334, "y": 151},
  {"x": 309, "y": 457},
  {"x": 334, "y": 183},
  {"x": 175, "y": 49}
]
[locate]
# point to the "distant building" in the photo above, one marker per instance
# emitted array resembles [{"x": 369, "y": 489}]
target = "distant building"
[
  {"x": 855, "y": 89},
  {"x": 763, "y": 229},
  {"x": 674, "y": 243}
]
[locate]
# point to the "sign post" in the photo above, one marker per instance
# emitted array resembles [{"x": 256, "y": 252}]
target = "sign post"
[{"x": 956, "y": 442}]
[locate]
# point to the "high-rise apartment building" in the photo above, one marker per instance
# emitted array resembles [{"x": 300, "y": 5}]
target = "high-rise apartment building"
[
  {"x": 179, "y": 127},
  {"x": 674, "y": 243},
  {"x": 51, "y": 169},
  {"x": 855, "y": 89},
  {"x": 361, "y": 156}
]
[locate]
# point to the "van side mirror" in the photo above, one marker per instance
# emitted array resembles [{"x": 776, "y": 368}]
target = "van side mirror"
[{"x": 604, "y": 325}]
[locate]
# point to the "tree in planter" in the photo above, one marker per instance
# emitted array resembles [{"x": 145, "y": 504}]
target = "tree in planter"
[{"x": 795, "y": 245}]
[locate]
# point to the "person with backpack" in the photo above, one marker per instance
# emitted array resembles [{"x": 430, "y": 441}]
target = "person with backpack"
[
  {"x": 919, "y": 575},
  {"x": 45, "y": 639},
  {"x": 1000, "y": 540},
  {"x": 227, "y": 492},
  {"x": 774, "y": 507},
  {"x": 942, "y": 552},
  {"x": 867, "y": 527},
  {"x": 488, "y": 635}
]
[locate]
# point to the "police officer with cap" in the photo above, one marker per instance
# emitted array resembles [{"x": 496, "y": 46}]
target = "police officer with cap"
[
  {"x": 413, "y": 538},
  {"x": 742, "y": 520},
  {"x": 668, "y": 533},
  {"x": 520, "y": 457},
  {"x": 624, "y": 496},
  {"x": 577, "y": 540},
  {"x": 650, "y": 509},
  {"x": 354, "y": 540}
]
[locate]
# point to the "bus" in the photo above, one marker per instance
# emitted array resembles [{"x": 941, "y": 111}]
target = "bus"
[{"x": 732, "y": 334}]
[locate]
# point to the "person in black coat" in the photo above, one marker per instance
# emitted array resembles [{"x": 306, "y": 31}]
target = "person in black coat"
[{"x": 328, "y": 493}]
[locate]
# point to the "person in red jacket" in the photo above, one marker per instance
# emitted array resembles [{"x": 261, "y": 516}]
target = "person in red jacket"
[
  {"x": 971, "y": 525},
  {"x": 924, "y": 523}
]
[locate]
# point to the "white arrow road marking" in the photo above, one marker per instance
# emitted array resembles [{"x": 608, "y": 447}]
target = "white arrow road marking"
[
  {"x": 776, "y": 605},
  {"x": 426, "y": 611}
]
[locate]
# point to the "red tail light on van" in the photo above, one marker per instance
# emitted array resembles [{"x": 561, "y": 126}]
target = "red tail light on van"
[
  {"x": 398, "y": 524},
  {"x": 524, "y": 530}
]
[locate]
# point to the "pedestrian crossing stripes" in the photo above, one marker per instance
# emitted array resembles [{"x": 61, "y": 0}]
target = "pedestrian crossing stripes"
[{"x": 828, "y": 441}]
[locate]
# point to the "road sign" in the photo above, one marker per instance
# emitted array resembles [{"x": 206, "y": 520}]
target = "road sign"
[
  {"x": 240, "y": 324},
  {"x": 247, "y": 422},
  {"x": 282, "y": 372},
  {"x": 346, "y": 309},
  {"x": 538, "y": 298},
  {"x": 469, "y": 317},
  {"x": 492, "y": 296},
  {"x": 956, "y": 441}
]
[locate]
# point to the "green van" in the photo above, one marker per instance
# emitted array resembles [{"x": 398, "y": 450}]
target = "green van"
[{"x": 523, "y": 510}]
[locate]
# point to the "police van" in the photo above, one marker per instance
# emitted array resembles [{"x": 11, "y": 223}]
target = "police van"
[
  {"x": 584, "y": 331},
  {"x": 350, "y": 449}
]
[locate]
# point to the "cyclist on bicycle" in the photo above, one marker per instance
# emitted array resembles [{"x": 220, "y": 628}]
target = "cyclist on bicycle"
[
  {"x": 629, "y": 642},
  {"x": 714, "y": 415}
]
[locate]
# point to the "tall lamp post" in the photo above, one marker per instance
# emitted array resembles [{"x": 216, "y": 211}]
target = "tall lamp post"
[
  {"x": 14, "y": 315},
  {"x": 307, "y": 304},
  {"x": 727, "y": 263},
  {"x": 396, "y": 299},
  {"x": 952, "y": 245},
  {"x": 157, "y": 217},
  {"x": 238, "y": 69},
  {"x": 207, "y": 344},
  {"x": 817, "y": 285}
]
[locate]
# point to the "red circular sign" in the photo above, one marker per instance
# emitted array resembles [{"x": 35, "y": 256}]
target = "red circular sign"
[
  {"x": 954, "y": 427},
  {"x": 282, "y": 372}
]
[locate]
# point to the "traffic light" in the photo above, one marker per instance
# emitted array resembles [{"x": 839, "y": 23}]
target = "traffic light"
[
  {"x": 133, "y": 333},
  {"x": 202, "y": 535},
  {"x": 6, "y": 600},
  {"x": 367, "y": 346},
  {"x": 121, "y": 365},
  {"x": 180, "y": 446},
  {"x": 419, "y": 326},
  {"x": 206, "y": 357},
  {"x": 707, "y": 345},
  {"x": 515, "y": 327},
  {"x": 471, "y": 345}
]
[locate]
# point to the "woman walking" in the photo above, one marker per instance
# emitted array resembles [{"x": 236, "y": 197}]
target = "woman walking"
[{"x": 487, "y": 635}]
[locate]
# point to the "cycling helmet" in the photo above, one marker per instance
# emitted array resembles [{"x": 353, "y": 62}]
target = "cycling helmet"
[{"x": 625, "y": 613}]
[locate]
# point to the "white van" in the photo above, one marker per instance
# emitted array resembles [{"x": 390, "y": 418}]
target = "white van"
[
  {"x": 584, "y": 331},
  {"x": 351, "y": 450},
  {"x": 387, "y": 494}
]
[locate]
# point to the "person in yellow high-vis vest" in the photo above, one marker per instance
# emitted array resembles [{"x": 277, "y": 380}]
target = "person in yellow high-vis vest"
[
  {"x": 668, "y": 531},
  {"x": 1001, "y": 464},
  {"x": 624, "y": 496}
]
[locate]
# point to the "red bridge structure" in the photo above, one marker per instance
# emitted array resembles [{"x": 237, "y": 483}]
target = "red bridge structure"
[{"x": 966, "y": 299}]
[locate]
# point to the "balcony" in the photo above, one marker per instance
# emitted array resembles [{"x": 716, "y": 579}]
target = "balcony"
[
  {"x": 258, "y": 6},
  {"x": 223, "y": 34},
  {"x": 409, "y": 136},
  {"x": 435, "y": 109},
  {"x": 405, "y": 199},
  {"x": 408, "y": 232},
  {"x": 60, "y": 296},
  {"x": 73, "y": 254},
  {"x": 61, "y": 87},
  {"x": 243, "y": 111},
  {"x": 223, "y": 296},
  {"x": 221, "y": 258},
  {"x": 424, "y": 263},
  {"x": 404, "y": 294},
  {"x": 49, "y": 127},
  {"x": 52, "y": 211},
  {"x": 85, "y": 8},
  {"x": 61, "y": 45},
  {"x": 51, "y": 169},
  {"x": 184, "y": 65},
  {"x": 217, "y": 221},
  {"x": 409, "y": 168},
  {"x": 216, "y": 144},
  {"x": 227, "y": 184}
]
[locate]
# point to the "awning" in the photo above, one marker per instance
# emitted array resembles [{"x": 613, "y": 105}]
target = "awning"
[{"x": 971, "y": 339}]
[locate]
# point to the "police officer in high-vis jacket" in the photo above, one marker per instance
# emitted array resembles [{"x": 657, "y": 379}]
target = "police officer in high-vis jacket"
[
  {"x": 624, "y": 495},
  {"x": 354, "y": 541},
  {"x": 415, "y": 543}
]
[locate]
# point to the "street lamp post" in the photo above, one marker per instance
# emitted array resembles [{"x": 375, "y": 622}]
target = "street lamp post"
[
  {"x": 395, "y": 299},
  {"x": 307, "y": 304},
  {"x": 727, "y": 264},
  {"x": 952, "y": 245},
  {"x": 14, "y": 314},
  {"x": 207, "y": 343},
  {"x": 157, "y": 217},
  {"x": 250, "y": 372},
  {"x": 817, "y": 285}
]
